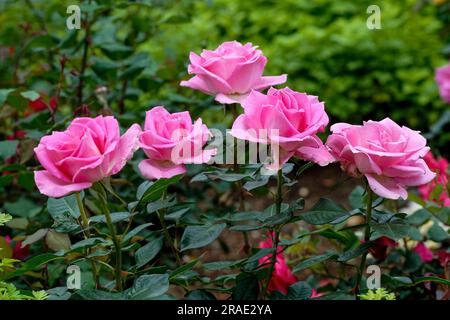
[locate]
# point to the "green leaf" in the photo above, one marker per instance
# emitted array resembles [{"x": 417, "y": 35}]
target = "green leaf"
[
  {"x": 395, "y": 231},
  {"x": 148, "y": 286},
  {"x": 313, "y": 261},
  {"x": 136, "y": 231},
  {"x": 37, "y": 261},
  {"x": 200, "y": 236},
  {"x": 8, "y": 148},
  {"x": 419, "y": 217},
  {"x": 187, "y": 267},
  {"x": 431, "y": 278},
  {"x": 23, "y": 207},
  {"x": 59, "y": 293},
  {"x": 251, "y": 185},
  {"x": 4, "y": 95},
  {"x": 200, "y": 295},
  {"x": 30, "y": 95},
  {"x": 89, "y": 242},
  {"x": 153, "y": 191},
  {"x": 115, "y": 217},
  {"x": 100, "y": 295},
  {"x": 437, "y": 234},
  {"x": 247, "y": 287},
  {"x": 250, "y": 215},
  {"x": 146, "y": 253},
  {"x": 63, "y": 206},
  {"x": 245, "y": 228},
  {"x": 176, "y": 215},
  {"x": 325, "y": 211},
  {"x": 355, "y": 252},
  {"x": 298, "y": 291},
  {"x": 356, "y": 197},
  {"x": 346, "y": 237},
  {"x": 161, "y": 204},
  {"x": 444, "y": 215},
  {"x": 221, "y": 265}
]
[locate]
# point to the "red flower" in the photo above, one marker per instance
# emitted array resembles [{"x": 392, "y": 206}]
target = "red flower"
[
  {"x": 380, "y": 246},
  {"x": 444, "y": 258},
  {"x": 282, "y": 276},
  {"x": 439, "y": 166},
  {"x": 424, "y": 253},
  {"x": 18, "y": 134},
  {"x": 39, "y": 104},
  {"x": 19, "y": 253}
]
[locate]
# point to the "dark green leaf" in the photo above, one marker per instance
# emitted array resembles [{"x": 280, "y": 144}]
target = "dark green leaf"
[
  {"x": 313, "y": 261},
  {"x": 115, "y": 217},
  {"x": 437, "y": 234},
  {"x": 30, "y": 95},
  {"x": 4, "y": 95},
  {"x": 200, "y": 236},
  {"x": 325, "y": 211},
  {"x": 247, "y": 287},
  {"x": 298, "y": 291},
  {"x": 148, "y": 286},
  {"x": 8, "y": 148},
  {"x": 146, "y": 253},
  {"x": 355, "y": 252}
]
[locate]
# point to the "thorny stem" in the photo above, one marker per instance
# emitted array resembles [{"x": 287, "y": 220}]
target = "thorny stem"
[
  {"x": 276, "y": 231},
  {"x": 366, "y": 240}
]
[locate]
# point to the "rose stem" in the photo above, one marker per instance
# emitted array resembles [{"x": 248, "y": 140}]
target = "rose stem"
[
  {"x": 366, "y": 240},
  {"x": 276, "y": 230}
]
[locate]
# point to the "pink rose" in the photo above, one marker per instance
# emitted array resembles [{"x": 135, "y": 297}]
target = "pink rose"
[
  {"x": 282, "y": 276},
  {"x": 287, "y": 118},
  {"x": 388, "y": 155},
  {"x": 440, "y": 167},
  {"x": 230, "y": 72},
  {"x": 424, "y": 253},
  {"x": 170, "y": 141},
  {"x": 88, "y": 151},
  {"x": 443, "y": 81}
]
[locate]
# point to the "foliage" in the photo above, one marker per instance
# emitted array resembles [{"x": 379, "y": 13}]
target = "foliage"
[{"x": 378, "y": 294}]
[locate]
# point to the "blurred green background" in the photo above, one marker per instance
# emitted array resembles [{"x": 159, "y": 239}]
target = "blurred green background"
[{"x": 139, "y": 51}]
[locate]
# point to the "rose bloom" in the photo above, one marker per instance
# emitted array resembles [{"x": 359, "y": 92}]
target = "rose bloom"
[
  {"x": 443, "y": 80},
  {"x": 170, "y": 141},
  {"x": 230, "y": 72},
  {"x": 439, "y": 166},
  {"x": 288, "y": 119},
  {"x": 389, "y": 156},
  {"x": 282, "y": 276},
  {"x": 424, "y": 253},
  {"x": 88, "y": 151}
]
